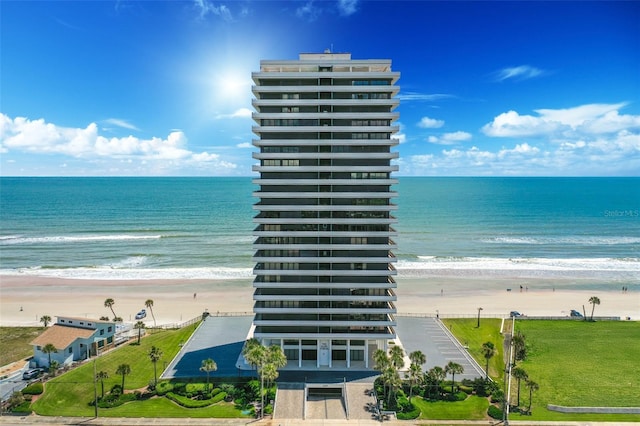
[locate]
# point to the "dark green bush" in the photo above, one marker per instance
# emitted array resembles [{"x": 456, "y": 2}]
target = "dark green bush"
[
  {"x": 466, "y": 389},
  {"x": 409, "y": 415},
  {"x": 497, "y": 396},
  {"x": 494, "y": 412},
  {"x": 190, "y": 403},
  {"x": 164, "y": 387},
  {"x": 116, "y": 389},
  {"x": 25, "y": 408},
  {"x": 33, "y": 389}
]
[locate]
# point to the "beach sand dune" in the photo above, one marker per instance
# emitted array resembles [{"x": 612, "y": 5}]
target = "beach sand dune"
[{"x": 23, "y": 300}]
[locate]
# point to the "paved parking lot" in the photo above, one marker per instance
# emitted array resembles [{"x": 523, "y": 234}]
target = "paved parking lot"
[{"x": 221, "y": 338}]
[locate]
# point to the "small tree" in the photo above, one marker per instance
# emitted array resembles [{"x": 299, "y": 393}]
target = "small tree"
[
  {"x": 435, "y": 376},
  {"x": 53, "y": 367},
  {"x": 139, "y": 326},
  {"x": 149, "y": 304},
  {"x": 208, "y": 365},
  {"x": 45, "y": 320},
  {"x": 102, "y": 375},
  {"x": 108, "y": 303},
  {"x": 488, "y": 351},
  {"x": 155, "y": 354},
  {"x": 382, "y": 363},
  {"x": 519, "y": 374},
  {"x": 48, "y": 349},
  {"x": 594, "y": 300},
  {"x": 453, "y": 368},
  {"x": 519, "y": 342},
  {"x": 123, "y": 369},
  {"x": 533, "y": 386},
  {"x": 415, "y": 374}
]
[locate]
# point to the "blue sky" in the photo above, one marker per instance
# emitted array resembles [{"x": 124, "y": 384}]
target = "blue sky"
[{"x": 144, "y": 88}]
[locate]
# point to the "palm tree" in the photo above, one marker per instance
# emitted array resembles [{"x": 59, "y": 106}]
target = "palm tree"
[
  {"x": 453, "y": 368},
  {"x": 123, "y": 369},
  {"x": 108, "y": 303},
  {"x": 415, "y": 374},
  {"x": 276, "y": 356},
  {"x": 396, "y": 356},
  {"x": 139, "y": 326},
  {"x": 252, "y": 352},
  {"x": 533, "y": 386},
  {"x": 208, "y": 365},
  {"x": 519, "y": 374},
  {"x": 48, "y": 349},
  {"x": 155, "y": 354},
  {"x": 594, "y": 300},
  {"x": 53, "y": 367},
  {"x": 436, "y": 375},
  {"x": 256, "y": 354},
  {"x": 45, "y": 320},
  {"x": 519, "y": 342},
  {"x": 149, "y": 304},
  {"x": 488, "y": 351},
  {"x": 382, "y": 363},
  {"x": 102, "y": 375}
]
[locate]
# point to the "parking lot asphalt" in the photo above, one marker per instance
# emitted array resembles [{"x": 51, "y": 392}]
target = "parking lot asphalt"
[{"x": 221, "y": 338}]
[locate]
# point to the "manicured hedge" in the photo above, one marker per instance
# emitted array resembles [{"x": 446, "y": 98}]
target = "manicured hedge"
[
  {"x": 409, "y": 415},
  {"x": 191, "y": 403},
  {"x": 494, "y": 412},
  {"x": 33, "y": 389}
]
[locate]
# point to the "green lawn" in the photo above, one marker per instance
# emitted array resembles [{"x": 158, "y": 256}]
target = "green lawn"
[
  {"x": 469, "y": 335},
  {"x": 70, "y": 393},
  {"x": 15, "y": 343},
  {"x": 578, "y": 363},
  {"x": 472, "y": 408}
]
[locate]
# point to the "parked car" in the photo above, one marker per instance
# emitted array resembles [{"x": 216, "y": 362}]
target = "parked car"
[
  {"x": 141, "y": 314},
  {"x": 31, "y": 373},
  {"x": 575, "y": 314},
  {"x": 515, "y": 314}
]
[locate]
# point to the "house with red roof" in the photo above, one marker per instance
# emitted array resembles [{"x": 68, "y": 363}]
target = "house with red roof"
[{"x": 74, "y": 339}]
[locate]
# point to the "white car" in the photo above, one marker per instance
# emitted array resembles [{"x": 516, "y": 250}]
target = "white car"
[{"x": 141, "y": 314}]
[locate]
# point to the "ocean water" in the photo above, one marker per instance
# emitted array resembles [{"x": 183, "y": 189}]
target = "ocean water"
[{"x": 200, "y": 228}]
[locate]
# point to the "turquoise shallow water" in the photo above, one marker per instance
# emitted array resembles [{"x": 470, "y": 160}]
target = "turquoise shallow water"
[{"x": 150, "y": 228}]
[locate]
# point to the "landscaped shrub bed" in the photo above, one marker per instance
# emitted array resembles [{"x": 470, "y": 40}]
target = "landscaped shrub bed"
[
  {"x": 33, "y": 389},
  {"x": 188, "y": 402}
]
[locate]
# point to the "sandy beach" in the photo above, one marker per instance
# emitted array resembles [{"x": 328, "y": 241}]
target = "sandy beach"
[{"x": 23, "y": 300}]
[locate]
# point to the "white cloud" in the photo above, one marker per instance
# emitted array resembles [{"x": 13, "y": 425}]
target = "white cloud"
[
  {"x": 308, "y": 11},
  {"x": 244, "y": 145},
  {"x": 521, "y": 72},
  {"x": 347, "y": 7},
  {"x": 239, "y": 113},
  {"x": 205, "y": 7},
  {"x": 430, "y": 123},
  {"x": 39, "y": 137},
  {"x": 428, "y": 97},
  {"x": 121, "y": 123},
  {"x": 605, "y": 155},
  {"x": 589, "y": 119},
  {"x": 450, "y": 138}
]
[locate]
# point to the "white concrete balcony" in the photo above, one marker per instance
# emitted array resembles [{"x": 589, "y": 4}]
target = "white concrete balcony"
[
  {"x": 325, "y": 155},
  {"x": 318, "y": 194},
  {"x": 367, "y": 169},
  {"x": 392, "y": 103},
  {"x": 325, "y": 142},
  {"x": 316, "y": 129},
  {"x": 296, "y": 182},
  {"x": 327, "y": 272}
]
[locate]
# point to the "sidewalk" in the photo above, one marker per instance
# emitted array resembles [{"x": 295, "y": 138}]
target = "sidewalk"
[{"x": 119, "y": 421}]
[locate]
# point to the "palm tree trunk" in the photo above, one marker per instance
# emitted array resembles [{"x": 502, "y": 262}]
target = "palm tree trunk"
[{"x": 518, "y": 392}]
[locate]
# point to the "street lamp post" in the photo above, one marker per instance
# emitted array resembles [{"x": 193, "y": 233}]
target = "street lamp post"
[{"x": 479, "y": 309}]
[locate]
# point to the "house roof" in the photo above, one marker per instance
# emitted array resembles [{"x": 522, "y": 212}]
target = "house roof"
[
  {"x": 61, "y": 336},
  {"x": 96, "y": 321}
]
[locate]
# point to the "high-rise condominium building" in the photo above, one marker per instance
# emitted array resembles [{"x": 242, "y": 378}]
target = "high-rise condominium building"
[{"x": 324, "y": 287}]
